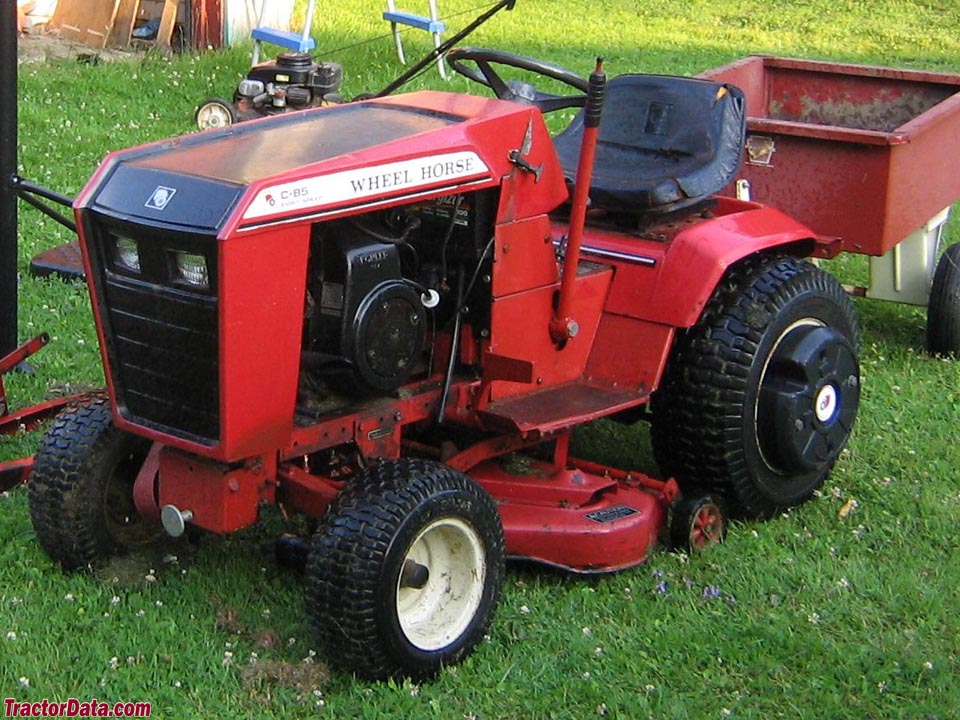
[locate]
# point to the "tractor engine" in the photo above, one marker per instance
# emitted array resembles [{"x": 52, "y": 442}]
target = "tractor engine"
[
  {"x": 362, "y": 313},
  {"x": 293, "y": 80},
  {"x": 380, "y": 285}
]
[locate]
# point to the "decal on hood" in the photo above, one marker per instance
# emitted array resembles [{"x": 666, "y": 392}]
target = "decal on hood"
[{"x": 367, "y": 182}]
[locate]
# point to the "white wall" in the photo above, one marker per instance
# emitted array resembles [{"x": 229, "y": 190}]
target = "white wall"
[{"x": 240, "y": 17}]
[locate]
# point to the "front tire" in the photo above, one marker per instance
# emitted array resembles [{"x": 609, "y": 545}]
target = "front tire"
[
  {"x": 404, "y": 574},
  {"x": 81, "y": 488},
  {"x": 760, "y": 396}
]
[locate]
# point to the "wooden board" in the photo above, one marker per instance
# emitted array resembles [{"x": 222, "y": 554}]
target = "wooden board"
[
  {"x": 88, "y": 21},
  {"x": 129, "y": 11},
  {"x": 123, "y": 22}
]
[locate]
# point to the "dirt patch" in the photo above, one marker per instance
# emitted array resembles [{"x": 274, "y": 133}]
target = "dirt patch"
[
  {"x": 142, "y": 567},
  {"x": 264, "y": 678},
  {"x": 43, "y": 44},
  {"x": 306, "y": 678}
]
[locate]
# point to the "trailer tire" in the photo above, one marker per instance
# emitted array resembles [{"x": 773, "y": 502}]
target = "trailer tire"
[
  {"x": 760, "y": 395},
  {"x": 80, "y": 492},
  {"x": 404, "y": 574},
  {"x": 943, "y": 310}
]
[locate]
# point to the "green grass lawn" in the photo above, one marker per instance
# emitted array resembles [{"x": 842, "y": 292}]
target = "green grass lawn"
[{"x": 844, "y": 608}]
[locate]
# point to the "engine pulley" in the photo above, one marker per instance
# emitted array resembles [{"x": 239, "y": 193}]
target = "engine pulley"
[{"x": 388, "y": 335}]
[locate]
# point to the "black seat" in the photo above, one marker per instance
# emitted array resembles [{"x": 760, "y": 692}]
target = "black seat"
[{"x": 665, "y": 143}]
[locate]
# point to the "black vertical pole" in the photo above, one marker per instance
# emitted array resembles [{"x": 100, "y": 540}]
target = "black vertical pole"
[{"x": 8, "y": 171}]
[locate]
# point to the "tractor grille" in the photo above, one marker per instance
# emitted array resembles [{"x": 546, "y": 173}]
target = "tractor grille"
[{"x": 162, "y": 342}]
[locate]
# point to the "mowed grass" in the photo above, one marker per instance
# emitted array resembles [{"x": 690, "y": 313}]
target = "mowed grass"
[{"x": 844, "y": 608}]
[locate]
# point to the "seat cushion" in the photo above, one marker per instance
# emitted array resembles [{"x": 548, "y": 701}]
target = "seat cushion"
[{"x": 665, "y": 142}]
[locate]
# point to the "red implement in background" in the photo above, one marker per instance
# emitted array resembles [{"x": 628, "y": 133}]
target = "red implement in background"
[
  {"x": 856, "y": 152},
  {"x": 14, "y": 472}
]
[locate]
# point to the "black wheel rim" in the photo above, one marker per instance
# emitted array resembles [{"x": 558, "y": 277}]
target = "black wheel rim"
[
  {"x": 120, "y": 515},
  {"x": 808, "y": 398}
]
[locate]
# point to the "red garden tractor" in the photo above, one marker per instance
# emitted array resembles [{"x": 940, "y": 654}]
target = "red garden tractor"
[{"x": 390, "y": 316}]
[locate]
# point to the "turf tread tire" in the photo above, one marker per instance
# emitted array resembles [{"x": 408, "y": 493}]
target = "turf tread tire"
[
  {"x": 698, "y": 417},
  {"x": 68, "y": 481},
  {"x": 349, "y": 591}
]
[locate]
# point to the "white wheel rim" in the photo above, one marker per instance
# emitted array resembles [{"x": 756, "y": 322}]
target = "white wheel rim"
[
  {"x": 213, "y": 115},
  {"x": 435, "y": 615}
]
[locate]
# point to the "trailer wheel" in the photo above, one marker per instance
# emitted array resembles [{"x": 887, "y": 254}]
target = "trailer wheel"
[
  {"x": 943, "y": 311},
  {"x": 759, "y": 397},
  {"x": 215, "y": 113},
  {"x": 81, "y": 488},
  {"x": 698, "y": 521},
  {"x": 404, "y": 573}
]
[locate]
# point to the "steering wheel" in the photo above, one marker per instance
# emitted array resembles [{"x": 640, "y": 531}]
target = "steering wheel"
[{"x": 516, "y": 90}]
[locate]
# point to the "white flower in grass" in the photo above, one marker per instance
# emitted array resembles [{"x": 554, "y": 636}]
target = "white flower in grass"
[
  {"x": 114, "y": 662},
  {"x": 928, "y": 665},
  {"x": 227, "y": 658},
  {"x": 115, "y": 600},
  {"x": 11, "y": 635},
  {"x": 68, "y": 597},
  {"x": 843, "y": 583},
  {"x": 24, "y": 681},
  {"x": 524, "y": 609},
  {"x": 813, "y": 618}
]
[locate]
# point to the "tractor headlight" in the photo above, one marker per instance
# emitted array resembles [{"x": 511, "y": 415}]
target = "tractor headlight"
[
  {"x": 126, "y": 255},
  {"x": 191, "y": 269}
]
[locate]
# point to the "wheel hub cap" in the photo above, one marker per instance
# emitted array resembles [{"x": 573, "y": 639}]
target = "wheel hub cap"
[
  {"x": 808, "y": 399},
  {"x": 441, "y": 583}
]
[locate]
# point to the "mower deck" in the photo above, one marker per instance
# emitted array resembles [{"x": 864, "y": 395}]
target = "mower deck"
[{"x": 574, "y": 519}]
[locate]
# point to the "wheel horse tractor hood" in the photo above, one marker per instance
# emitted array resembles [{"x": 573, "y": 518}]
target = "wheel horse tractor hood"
[{"x": 170, "y": 230}]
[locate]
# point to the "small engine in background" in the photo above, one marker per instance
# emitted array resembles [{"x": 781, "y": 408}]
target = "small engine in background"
[{"x": 292, "y": 80}]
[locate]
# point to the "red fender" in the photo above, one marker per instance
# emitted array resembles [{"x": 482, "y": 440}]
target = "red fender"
[{"x": 697, "y": 258}]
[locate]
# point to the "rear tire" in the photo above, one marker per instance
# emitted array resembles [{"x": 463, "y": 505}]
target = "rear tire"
[
  {"x": 81, "y": 488},
  {"x": 943, "y": 310},
  {"x": 759, "y": 397},
  {"x": 404, "y": 574}
]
